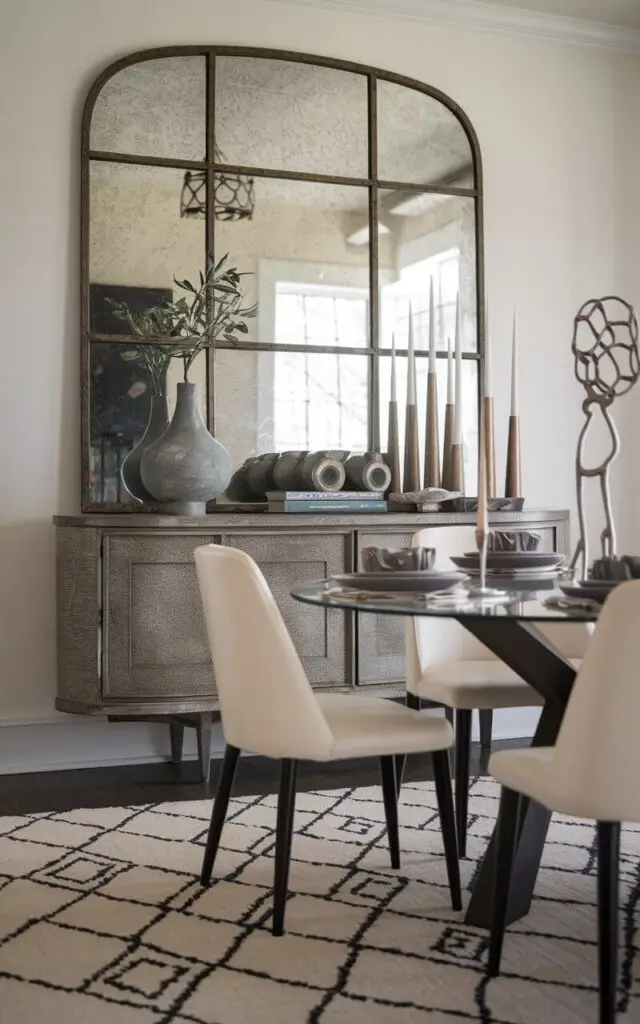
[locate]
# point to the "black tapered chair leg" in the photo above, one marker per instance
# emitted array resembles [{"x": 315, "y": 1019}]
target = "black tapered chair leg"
[
  {"x": 442, "y": 778},
  {"x": 608, "y": 898},
  {"x": 284, "y": 835},
  {"x": 219, "y": 813},
  {"x": 390, "y": 799},
  {"x": 461, "y": 760},
  {"x": 507, "y": 832},
  {"x": 486, "y": 729},
  {"x": 415, "y": 704}
]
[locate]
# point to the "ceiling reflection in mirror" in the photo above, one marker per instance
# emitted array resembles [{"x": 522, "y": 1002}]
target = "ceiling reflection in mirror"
[
  {"x": 291, "y": 116},
  {"x": 298, "y": 209},
  {"x": 420, "y": 140}
]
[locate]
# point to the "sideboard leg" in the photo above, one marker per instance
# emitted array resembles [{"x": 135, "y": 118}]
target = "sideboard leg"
[
  {"x": 176, "y": 730},
  {"x": 203, "y": 730}
]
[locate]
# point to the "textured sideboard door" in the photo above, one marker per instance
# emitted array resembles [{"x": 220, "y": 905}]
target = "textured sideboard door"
[
  {"x": 322, "y": 638},
  {"x": 154, "y": 645}
]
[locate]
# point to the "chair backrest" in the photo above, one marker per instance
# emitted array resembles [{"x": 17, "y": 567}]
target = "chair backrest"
[
  {"x": 430, "y": 640},
  {"x": 439, "y": 640},
  {"x": 597, "y": 753},
  {"x": 266, "y": 702}
]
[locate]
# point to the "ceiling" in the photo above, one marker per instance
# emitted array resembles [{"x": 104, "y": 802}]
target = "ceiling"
[{"x": 609, "y": 12}]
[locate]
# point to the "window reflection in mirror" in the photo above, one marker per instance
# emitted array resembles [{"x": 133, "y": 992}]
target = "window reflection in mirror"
[
  {"x": 305, "y": 235},
  {"x": 287, "y": 401},
  {"x": 431, "y": 236}
]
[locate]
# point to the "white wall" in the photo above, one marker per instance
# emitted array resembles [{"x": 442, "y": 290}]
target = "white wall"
[{"x": 554, "y": 151}]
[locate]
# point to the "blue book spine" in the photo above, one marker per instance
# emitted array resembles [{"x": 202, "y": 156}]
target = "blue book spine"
[
  {"x": 322, "y": 496},
  {"x": 371, "y": 505}
]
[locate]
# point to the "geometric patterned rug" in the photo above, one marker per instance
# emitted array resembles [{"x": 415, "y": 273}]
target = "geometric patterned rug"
[{"x": 102, "y": 919}]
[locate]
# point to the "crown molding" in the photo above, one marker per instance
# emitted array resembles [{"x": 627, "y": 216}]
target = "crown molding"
[{"x": 490, "y": 17}]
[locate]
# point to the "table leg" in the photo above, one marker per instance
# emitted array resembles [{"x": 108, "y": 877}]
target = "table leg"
[{"x": 524, "y": 649}]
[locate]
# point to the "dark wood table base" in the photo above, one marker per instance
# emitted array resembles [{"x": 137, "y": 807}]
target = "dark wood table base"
[{"x": 535, "y": 659}]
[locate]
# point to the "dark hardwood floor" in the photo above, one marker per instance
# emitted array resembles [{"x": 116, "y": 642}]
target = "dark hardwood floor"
[{"x": 156, "y": 783}]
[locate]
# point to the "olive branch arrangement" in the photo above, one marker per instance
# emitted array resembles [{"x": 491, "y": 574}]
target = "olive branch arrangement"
[{"x": 184, "y": 327}]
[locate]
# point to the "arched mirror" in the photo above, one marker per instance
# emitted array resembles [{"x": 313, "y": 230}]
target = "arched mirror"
[{"x": 337, "y": 191}]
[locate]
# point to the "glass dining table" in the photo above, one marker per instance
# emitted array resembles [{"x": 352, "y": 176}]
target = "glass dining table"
[{"x": 509, "y": 628}]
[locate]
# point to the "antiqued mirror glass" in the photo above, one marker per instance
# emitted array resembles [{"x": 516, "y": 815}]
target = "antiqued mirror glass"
[
  {"x": 119, "y": 409},
  {"x": 288, "y": 401},
  {"x": 154, "y": 108},
  {"x": 306, "y": 255},
  {"x": 338, "y": 192},
  {"x": 138, "y": 238},
  {"x": 420, "y": 140},
  {"x": 431, "y": 236},
  {"x": 291, "y": 116}
]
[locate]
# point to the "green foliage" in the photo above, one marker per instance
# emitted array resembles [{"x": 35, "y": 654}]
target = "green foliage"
[{"x": 209, "y": 312}]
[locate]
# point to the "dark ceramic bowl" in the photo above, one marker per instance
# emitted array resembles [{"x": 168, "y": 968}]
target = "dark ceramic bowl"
[
  {"x": 398, "y": 559},
  {"x": 625, "y": 567},
  {"x": 514, "y": 540}
]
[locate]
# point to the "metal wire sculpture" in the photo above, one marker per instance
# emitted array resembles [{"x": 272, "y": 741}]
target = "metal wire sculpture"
[{"x": 607, "y": 364}]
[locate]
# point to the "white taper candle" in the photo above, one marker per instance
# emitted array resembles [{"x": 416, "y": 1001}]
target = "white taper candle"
[
  {"x": 411, "y": 365},
  {"x": 483, "y": 515},
  {"x": 488, "y": 383},
  {"x": 514, "y": 369},
  {"x": 432, "y": 329},
  {"x": 457, "y": 420},
  {"x": 450, "y": 393},
  {"x": 393, "y": 395}
]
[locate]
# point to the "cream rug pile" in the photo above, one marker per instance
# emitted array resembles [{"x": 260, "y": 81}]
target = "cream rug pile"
[{"x": 102, "y": 920}]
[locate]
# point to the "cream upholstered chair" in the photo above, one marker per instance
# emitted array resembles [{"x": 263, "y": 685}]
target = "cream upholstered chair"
[
  {"x": 268, "y": 707},
  {"x": 592, "y": 772},
  {"x": 446, "y": 665}
]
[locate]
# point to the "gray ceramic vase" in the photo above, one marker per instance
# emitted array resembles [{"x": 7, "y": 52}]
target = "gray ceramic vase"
[
  {"x": 186, "y": 467},
  {"x": 130, "y": 471}
]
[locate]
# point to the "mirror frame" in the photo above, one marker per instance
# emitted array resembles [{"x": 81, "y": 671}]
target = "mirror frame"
[{"x": 372, "y": 181}]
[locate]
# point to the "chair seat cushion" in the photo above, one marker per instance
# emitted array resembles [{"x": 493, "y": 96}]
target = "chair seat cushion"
[
  {"x": 372, "y": 726},
  {"x": 533, "y": 773},
  {"x": 482, "y": 684}
]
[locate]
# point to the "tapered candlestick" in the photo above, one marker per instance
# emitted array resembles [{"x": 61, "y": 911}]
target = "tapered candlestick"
[
  {"x": 411, "y": 475},
  {"x": 392, "y": 457}
]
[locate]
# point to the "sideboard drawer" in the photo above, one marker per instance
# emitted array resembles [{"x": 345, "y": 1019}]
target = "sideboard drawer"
[
  {"x": 154, "y": 641},
  {"x": 322, "y": 638}
]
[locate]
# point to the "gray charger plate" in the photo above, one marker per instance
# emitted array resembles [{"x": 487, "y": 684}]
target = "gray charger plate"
[
  {"x": 421, "y": 580},
  {"x": 510, "y": 560},
  {"x": 597, "y": 590}
]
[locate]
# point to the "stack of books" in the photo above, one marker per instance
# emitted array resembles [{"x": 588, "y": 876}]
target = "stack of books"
[{"x": 325, "y": 502}]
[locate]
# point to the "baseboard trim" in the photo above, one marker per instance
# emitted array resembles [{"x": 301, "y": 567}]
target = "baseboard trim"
[{"x": 69, "y": 742}]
